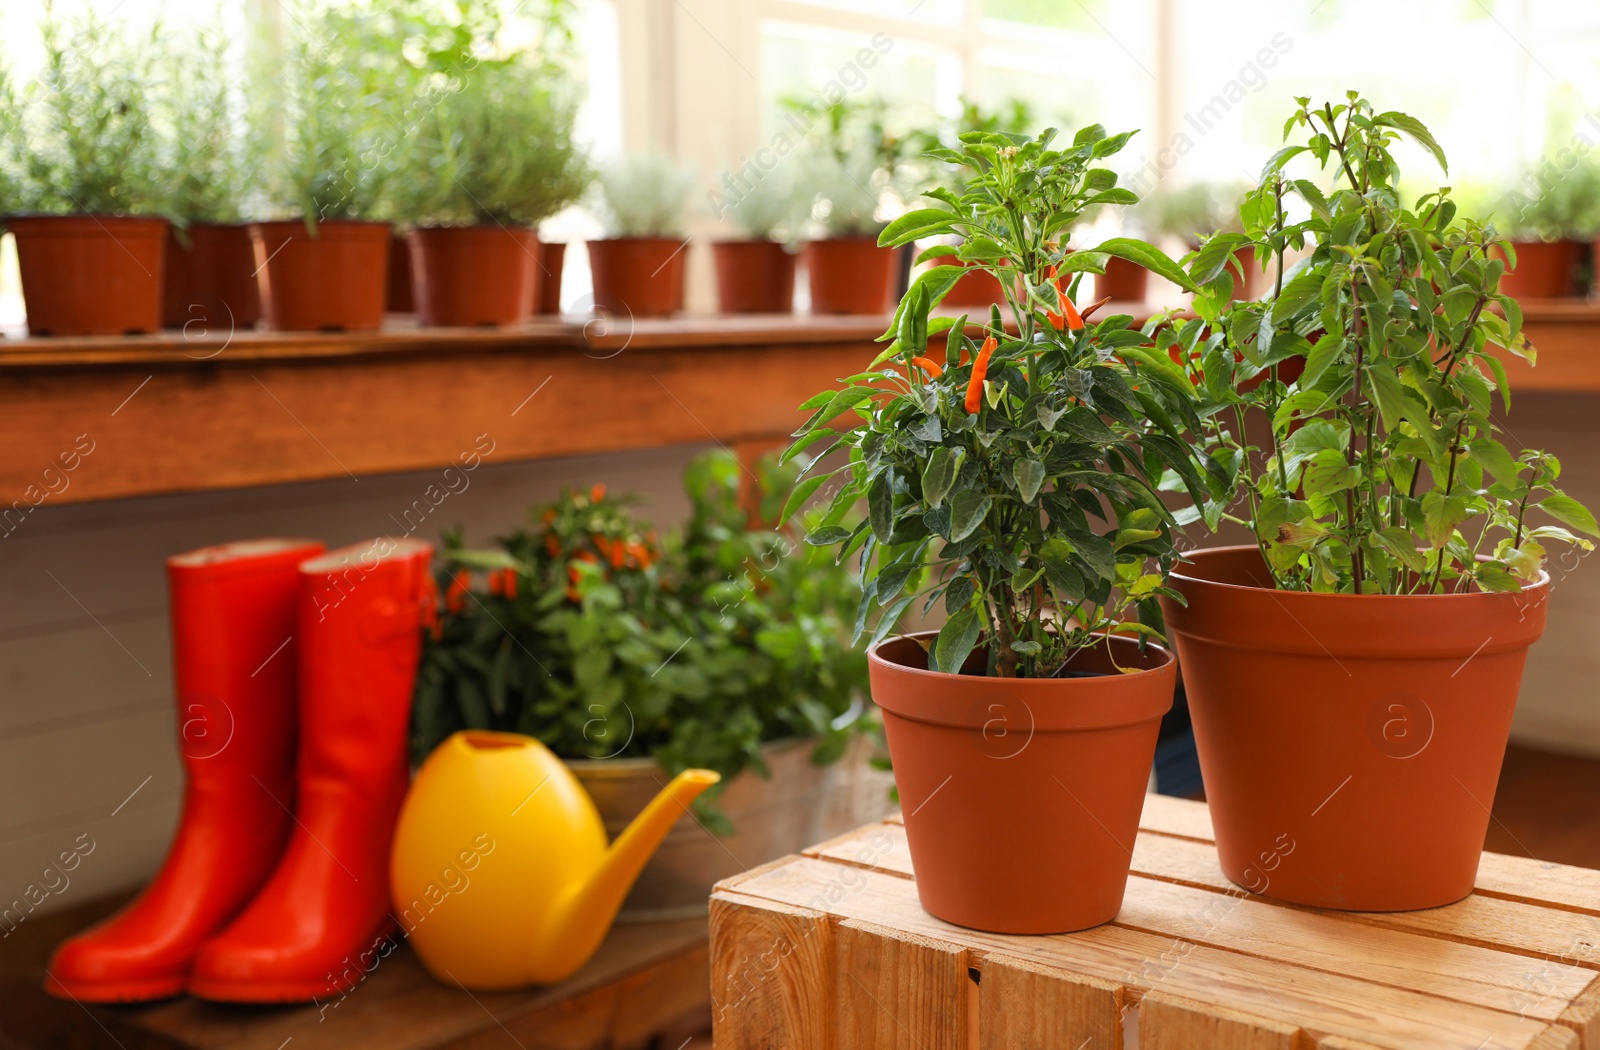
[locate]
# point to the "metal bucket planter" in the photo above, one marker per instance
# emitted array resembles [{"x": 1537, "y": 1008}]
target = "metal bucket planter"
[{"x": 800, "y": 805}]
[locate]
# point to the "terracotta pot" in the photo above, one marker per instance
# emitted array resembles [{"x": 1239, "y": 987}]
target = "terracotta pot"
[
  {"x": 211, "y": 283},
  {"x": 1545, "y": 270},
  {"x": 1350, "y": 744},
  {"x": 638, "y": 276},
  {"x": 474, "y": 275},
  {"x": 90, "y": 274},
  {"x": 332, "y": 282},
  {"x": 978, "y": 288},
  {"x": 551, "y": 258},
  {"x": 1022, "y": 796},
  {"x": 1123, "y": 281},
  {"x": 754, "y": 277},
  {"x": 399, "y": 297},
  {"x": 850, "y": 275}
]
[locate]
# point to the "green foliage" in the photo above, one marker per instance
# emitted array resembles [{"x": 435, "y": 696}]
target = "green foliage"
[
  {"x": 83, "y": 139},
  {"x": 645, "y": 195},
  {"x": 1384, "y": 474},
  {"x": 1196, "y": 210},
  {"x": 772, "y": 208},
  {"x": 1023, "y": 472},
  {"x": 205, "y": 160},
  {"x": 493, "y": 142},
  {"x": 1558, "y": 199},
  {"x": 847, "y": 194},
  {"x": 857, "y": 164},
  {"x": 694, "y": 652}
]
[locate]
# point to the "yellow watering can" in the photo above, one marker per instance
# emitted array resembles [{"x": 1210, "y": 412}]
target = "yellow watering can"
[{"x": 500, "y": 874}]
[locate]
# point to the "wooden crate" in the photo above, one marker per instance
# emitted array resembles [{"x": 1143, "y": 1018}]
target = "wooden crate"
[{"x": 831, "y": 951}]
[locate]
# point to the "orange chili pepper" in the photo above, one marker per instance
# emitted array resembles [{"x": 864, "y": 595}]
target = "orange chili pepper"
[
  {"x": 508, "y": 586},
  {"x": 494, "y": 581},
  {"x": 552, "y": 545},
  {"x": 619, "y": 553},
  {"x": 928, "y": 366},
  {"x": 980, "y": 370},
  {"x": 454, "y": 597},
  {"x": 598, "y": 493},
  {"x": 1068, "y": 311}
]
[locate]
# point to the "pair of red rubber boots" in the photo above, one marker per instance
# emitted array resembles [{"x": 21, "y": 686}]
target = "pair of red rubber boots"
[{"x": 294, "y": 670}]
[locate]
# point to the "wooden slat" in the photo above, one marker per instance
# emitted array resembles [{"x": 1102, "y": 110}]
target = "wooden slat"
[
  {"x": 1583, "y": 1015},
  {"x": 774, "y": 975},
  {"x": 1167, "y": 1022},
  {"x": 898, "y": 990},
  {"x": 1026, "y": 1006},
  {"x": 1322, "y": 1003}
]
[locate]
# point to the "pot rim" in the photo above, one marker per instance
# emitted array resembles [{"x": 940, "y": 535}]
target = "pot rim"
[
  {"x": 632, "y": 240},
  {"x": 96, "y": 217},
  {"x": 864, "y": 238},
  {"x": 373, "y": 224},
  {"x": 473, "y": 227},
  {"x": 1177, "y": 574}
]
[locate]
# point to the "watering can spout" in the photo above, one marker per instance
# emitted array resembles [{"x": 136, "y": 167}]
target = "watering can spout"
[{"x": 579, "y": 921}]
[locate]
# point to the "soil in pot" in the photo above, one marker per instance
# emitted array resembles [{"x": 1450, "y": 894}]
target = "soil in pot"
[
  {"x": 551, "y": 259},
  {"x": 90, "y": 274},
  {"x": 1123, "y": 281},
  {"x": 638, "y": 276},
  {"x": 978, "y": 288},
  {"x": 800, "y": 805},
  {"x": 1350, "y": 744},
  {"x": 1545, "y": 270},
  {"x": 754, "y": 277},
  {"x": 464, "y": 276},
  {"x": 850, "y": 275},
  {"x": 334, "y": 281},
  {"x": 210, "y": 282},
  {"x": 1021, "y": 797}
]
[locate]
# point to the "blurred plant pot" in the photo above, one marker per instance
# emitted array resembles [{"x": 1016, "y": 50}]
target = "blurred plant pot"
[
  {"x": 90, "y": 274},
  {"x": 850, "y": 275},
  {"x": 1022, "y": 796},
  {"x": 754, "y": 277},
  {"x": 400, "y": 296},
  {"x": 334, "y": 281},
  {"x": 465, "y": 276},
  {"x": 1348, "y": 761},
  {"x": 211, "y": 282},
  {"x": 551, "y": 258},
  {"x": 802, "y": 804},
  {"x": 638, "y": 276},
  {"x": 1123, "y": 281},
  {"x": 978, "y": 288},
  {"x": 1545, "y": 270}
]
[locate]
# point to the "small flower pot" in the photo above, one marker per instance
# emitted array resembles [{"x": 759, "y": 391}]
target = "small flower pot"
[
  {"x": 474, "y": 275},
  {"x": 399, "y": 297},
  {"x": 1123, "y": 281},
  {"x": 1545, "y": 270},
  {"x": 90, "y": 274},
  {"x": 1021, "y": 797},
  {"x": 978, "y": 288},
  {"x": 333, "y": 281},
  {"x": 210, "y": 282},
  {"x": 1350, "y": 744},
  {"x": 638, "y": 276},
  {"x": 754, "y": 277},
  {"x": 551, "y": 258},
  {"x": 850, "y": 275}
]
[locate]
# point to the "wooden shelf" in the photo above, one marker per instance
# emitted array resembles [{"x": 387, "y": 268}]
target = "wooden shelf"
[{"x": 185, "y": 412}]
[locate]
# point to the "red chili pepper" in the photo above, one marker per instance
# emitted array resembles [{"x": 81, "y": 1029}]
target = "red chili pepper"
[
  {"x": 980, "y": 371},
  {"x": 508, "y": 583},
  {"x": 598, "y": 493},
  {"x": 455, "y": 596},
  {"x": 928, "y": 366},
  {"x": 552, "y": 545},
  {"x": 494, "y": 581}
]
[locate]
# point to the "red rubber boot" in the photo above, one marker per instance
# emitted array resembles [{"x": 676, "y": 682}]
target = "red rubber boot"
[
  {"x": 317, "y": 927},
  {"x": 234, "y": 660}
]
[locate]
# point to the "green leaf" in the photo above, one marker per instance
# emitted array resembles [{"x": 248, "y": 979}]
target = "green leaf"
[
  {"x": 1440, "y": 515},
  {"x": 1389, "y": 393},
  {"x": 1418, "y": 133},
  {"x": 914, "y": 225},
  {"x": 880, "y": 506},
  {"x": 1570, "y": 512},
  {"x": 1150, "y": 257},
  {"x": 939, "y": 474},
  {"x": 827, "y": 535},
  {"x": 956, "y": 639},
  {"x": 1029, "y": 475},
  {"x": 968, "y": 508}
]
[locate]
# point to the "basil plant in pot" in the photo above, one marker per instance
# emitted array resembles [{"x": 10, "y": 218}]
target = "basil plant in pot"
[
  {"x": 723, "y": 645},
  {"x": 80, "y": 143},
  {"x": 639, "y": 268},
  {"x": 1351, "y": 676},
  {"x": 491, "y": 155},
  {"x": 1013, "y": 475}
]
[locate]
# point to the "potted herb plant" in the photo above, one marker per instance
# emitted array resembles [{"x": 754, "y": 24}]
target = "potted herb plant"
[
  {"x": 1549, "y": 221},
  {"x": 1351, "y": 677},
  {"x": 1193, "y": 212},
  {"x": 848, "y": 271},
  {"x": 755, "y": 274},
  {"x": 87, "y": 200},
  {"x": 723, "y": 646},
  {"x": 639, "y": 268},
  {"x": 209, "y": 278},
  {"x": 488, "y": 159},
  {"x": 1013, "y": 479},
  {"x": 325, "y": 264}
]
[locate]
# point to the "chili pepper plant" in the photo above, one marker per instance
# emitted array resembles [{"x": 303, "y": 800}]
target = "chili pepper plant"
[
  {"x": 1015, "y": 472},
  {"x": 1384, "y": 472}
]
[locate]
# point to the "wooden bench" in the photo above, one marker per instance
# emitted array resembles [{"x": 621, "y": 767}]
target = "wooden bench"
[{"x": 831, "y": 951}]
